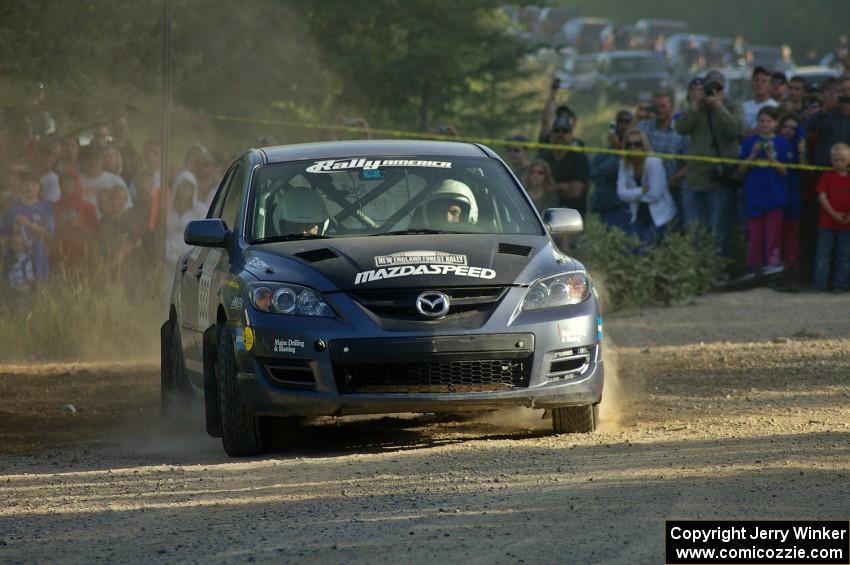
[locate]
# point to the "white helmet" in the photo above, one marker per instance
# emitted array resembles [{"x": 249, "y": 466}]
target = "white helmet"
[
  {"x": 299, "y": 210},
  {"x": 450, "y": 193}
]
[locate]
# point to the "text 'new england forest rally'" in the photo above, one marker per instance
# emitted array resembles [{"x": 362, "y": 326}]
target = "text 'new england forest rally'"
[{"x": 378, "y": 277}]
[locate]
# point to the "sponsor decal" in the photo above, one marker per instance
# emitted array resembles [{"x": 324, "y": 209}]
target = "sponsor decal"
[
  {"x": 288, "y": 345},
  {"x": 420, "y": 258},
  {"x": 232, "y": 284},
  {"x": 236, "y": 303},
  {"x": 599, "y": 328},
  {"x": 257, "y": 263},
  {"x": 248, "y": 338},
  {"x": 333, "y": 165},
  {"x": 414, "y": 270},
  {"x": 568, "y": 337},
  {"x": 239, "y": 339}
]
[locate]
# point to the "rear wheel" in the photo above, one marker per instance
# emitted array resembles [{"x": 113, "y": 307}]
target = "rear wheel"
[
  {"x": 240, "y": 430},
  {"x": 575, "y": 419},
  {"x": 175, "y": 394}
]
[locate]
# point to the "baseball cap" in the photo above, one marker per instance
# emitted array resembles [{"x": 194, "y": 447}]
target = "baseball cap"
[
  {"x": 562, "y": 123},
  {"x": 778, "y": 77},
  {"x": 715, "y": 76}
]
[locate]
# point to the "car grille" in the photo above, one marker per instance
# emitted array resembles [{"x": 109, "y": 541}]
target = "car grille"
[
  {"x": 401, "y": 303},
  {"x": 477, "y": 375}
]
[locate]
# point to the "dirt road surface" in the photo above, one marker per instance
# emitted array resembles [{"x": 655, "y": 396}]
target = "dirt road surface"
[{"x": 735, "y": 406}]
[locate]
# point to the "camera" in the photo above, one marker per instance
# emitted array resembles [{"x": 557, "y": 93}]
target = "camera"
[
  {"x": 711, "y": 88},
  {"x": 612, "y": 128}
]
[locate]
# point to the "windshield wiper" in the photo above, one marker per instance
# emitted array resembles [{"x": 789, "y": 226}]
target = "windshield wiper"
[
  {"x": 288, "y": 237},
  {"x": 416, "y": 232}
]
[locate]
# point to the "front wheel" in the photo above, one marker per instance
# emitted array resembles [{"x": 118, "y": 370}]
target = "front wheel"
[
  {"x": 240, "y": 430},
  {"x": 575, "y": 419}
]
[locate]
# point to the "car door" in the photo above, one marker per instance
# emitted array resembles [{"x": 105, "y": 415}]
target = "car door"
[{"x": 195, "y": 287}]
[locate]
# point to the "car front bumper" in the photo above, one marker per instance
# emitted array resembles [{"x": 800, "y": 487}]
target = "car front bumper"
[{"x": 324, "y": 366}]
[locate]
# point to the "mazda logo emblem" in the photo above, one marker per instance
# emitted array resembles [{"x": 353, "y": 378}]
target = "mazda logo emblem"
[{"x": 432, "y": 304}]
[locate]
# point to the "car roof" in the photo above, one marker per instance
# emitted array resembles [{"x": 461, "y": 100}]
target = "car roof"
[{"x": 371, "y": 148}]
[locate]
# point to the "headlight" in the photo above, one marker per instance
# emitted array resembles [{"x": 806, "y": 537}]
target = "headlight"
[
  {"x": 558, "y": 290},
  {"x": 288, "y": 299}
]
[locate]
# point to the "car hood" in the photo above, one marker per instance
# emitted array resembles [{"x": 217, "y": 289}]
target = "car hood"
[{"x": 404, "y": 261}]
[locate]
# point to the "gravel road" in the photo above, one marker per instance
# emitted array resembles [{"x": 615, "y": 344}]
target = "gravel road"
[{"x": 734, "y": 406}]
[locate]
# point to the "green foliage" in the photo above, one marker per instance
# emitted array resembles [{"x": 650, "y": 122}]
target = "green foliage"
[{"x": 682, "y": 265}]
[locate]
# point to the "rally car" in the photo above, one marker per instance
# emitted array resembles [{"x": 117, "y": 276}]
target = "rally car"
[{"x": 372, "y": 277}]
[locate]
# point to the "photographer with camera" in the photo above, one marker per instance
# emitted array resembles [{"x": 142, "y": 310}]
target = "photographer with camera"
[
  {"x": 714, "y": 126},
  {"x": 604, "y": 169}
]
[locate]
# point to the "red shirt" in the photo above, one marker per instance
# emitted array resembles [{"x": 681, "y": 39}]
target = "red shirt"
[{"x": 837, "y": 190}]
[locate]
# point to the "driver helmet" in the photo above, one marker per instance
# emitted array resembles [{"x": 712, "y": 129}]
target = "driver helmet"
[
  {"x": 452, "y": 202},
  {"x": 302, "y": 210}
]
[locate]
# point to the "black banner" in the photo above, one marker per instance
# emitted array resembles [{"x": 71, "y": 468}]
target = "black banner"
[{"x": 760, "y": 542}]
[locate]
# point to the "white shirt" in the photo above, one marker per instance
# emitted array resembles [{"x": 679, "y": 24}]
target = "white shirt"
[
  {"x": 175, "y": 225},
  {"x": 751, "y": 110},
  {"x": 50, "y": 190},
  {"x": 661, "y": 206}
]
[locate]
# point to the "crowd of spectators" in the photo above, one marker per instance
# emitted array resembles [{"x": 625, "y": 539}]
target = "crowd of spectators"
[
  {"x": 794, "y": 221},
  {"x": 76, "y": 203}
]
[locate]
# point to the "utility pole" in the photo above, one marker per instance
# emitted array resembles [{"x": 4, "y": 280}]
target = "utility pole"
[{"x": 166, "y": 126}]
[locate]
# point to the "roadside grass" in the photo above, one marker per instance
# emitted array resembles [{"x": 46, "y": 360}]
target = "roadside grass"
[{"x": 94, "y": 317}]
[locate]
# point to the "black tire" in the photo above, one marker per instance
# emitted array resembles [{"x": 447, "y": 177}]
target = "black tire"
[
  {"x": 241, "y": 433},
  {"x": 575, "y": 419},
  {"x": 175, "y": 395}
]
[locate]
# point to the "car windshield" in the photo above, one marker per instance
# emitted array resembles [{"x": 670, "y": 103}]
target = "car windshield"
[
  {"x": 356, "y": 196},
  {"x": 623, "y": 65}
]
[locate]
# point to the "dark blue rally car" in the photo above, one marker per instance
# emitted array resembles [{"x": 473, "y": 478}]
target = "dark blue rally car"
[{"x": 372, "y": 277}]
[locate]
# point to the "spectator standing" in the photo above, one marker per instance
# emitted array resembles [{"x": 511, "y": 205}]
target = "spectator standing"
[
  {"x": 832, "y": 263},
  {"x": 23, "y": 268},
  {"x": 551, "y": 113},
  {"x": 778, "y": 87},
  {"x": 766, "y": 190},
  {"x": 48, "y": 154},
  {"x": 69, "y": 156},
  {"x": 196, "y": 160},
  {"x": 796, "y": 96},
  {"x": 540, "y": 186},
  {"x": 642, "y": 182},
  {"x": 76, "y": 223},
  {"x": 184, "y": 208},
  {"x": 130, "y": 158},
  {"x": 33, "y": 217},
  {"x": 832, "y": 124},
  {"x": 570, "y": 168},
  {"x": 94, "y": 177},
  {"x": 664, "y": 138},
  {"x": 789, "y": 128},
  {"x": 517, "y": 156},
  {"x": 113, "y": 234},
  {"x": 761, "y": 97},
  {"x": 604, "y": 170},
  {"x": 714, "y": 126}
]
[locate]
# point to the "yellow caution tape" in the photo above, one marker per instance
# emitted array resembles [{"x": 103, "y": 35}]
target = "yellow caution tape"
[{"x": 528, "y": 144}]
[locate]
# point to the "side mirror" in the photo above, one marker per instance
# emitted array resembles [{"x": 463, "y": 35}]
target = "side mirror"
[
  {"x": 563, "y": 221},
  {"x": 212, "y": 232}
]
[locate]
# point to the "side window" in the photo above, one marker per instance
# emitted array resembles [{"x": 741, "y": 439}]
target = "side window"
[
  {"x": 233, "y": 198},
  {"x": 218, "y": 201}
]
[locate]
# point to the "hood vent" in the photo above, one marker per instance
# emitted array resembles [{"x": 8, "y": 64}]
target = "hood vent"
[
  {"x": 511, "y": 249},
  {"x": 316, "y": 255}
]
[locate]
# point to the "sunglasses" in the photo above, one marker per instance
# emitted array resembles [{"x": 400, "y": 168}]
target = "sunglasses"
[
  {"x": 634, "y": 144},
  {"x": 560, "y": 131}
]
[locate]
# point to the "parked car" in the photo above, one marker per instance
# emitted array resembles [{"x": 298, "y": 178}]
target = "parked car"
[
  {"x": 549, "y": 21},
  {"x": 630, "y": 76},
  {"x": 690, "y": 53},
  {"x": 578, "y": 75},
  {"x": 815, "y": 76},
  {"x": 374, "y": 277},
  {"x": 768, "y": 57},
  {"x": 582, "y": 34},
  {"x": 647, "y": 29}
]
